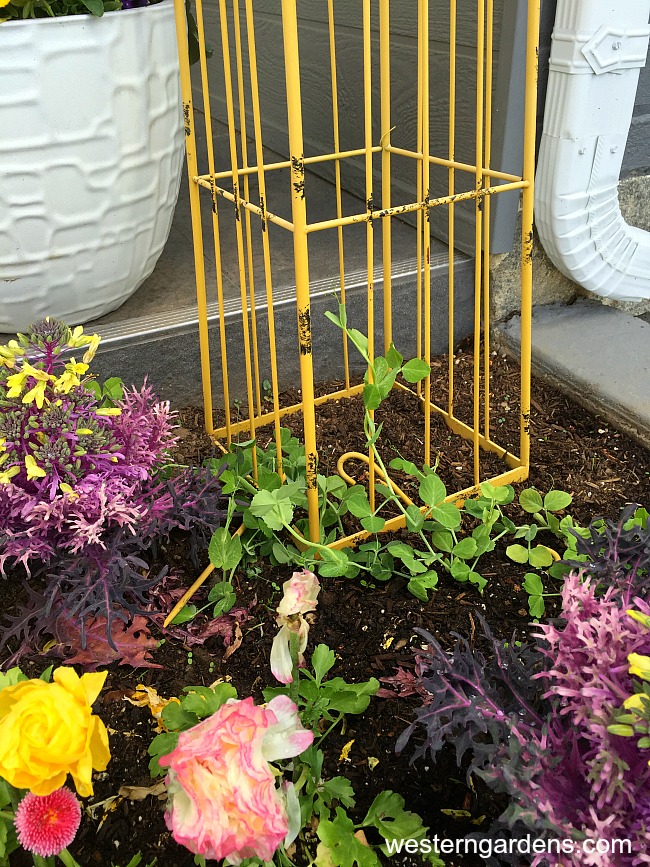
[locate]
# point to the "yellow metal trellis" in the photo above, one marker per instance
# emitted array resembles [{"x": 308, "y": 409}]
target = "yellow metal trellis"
[{"x": 236, "y": 44}]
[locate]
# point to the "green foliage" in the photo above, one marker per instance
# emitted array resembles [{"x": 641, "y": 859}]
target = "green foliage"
[
  {"x": 329, "y": 700},
  {"x": 540, "y": 556},
  {"x": 8, "y": 840},
  {"x": 198, "y": 703},
  {"x": 56, "y": 8},
  {"x": 386, "y": 814}
]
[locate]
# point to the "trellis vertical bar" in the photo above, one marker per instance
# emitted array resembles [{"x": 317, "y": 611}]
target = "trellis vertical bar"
[
  {"x": 301, "y": 256},
  {"x": 215, "y": 221},
  {"x": 419, "y": 217},
  {"x": 426, "y": 228},
  {"x": 247, "y": 214},
  {"x": 451, "y": 187},
  {"x": 530, "y": 125},
  {"x": 384, "y": 74},
  {"x": 370, "y": 258},
  {"x": 266, "y": 252},
  {"x": 489, "y": 21},
  {"x": 232, "y": 140},
  {"x": 337, "y": 174},
  {"x": 478, "y": 235},
  {"x": 195, "y": 205}
]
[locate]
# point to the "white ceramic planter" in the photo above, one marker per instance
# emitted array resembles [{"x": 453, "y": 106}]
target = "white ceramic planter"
[{"x": 91, "y": 150}]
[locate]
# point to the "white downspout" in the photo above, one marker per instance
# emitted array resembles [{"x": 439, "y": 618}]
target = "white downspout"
[{"x": 598, "y": 48}]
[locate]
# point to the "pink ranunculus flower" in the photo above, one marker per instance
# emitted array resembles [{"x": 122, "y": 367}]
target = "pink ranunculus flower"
[
  {"x": 300, "y": 594},
  {"x": 223, "y": 800},
  {"x": 300, "y": 597},
  {"x": 47, "y": 824}
]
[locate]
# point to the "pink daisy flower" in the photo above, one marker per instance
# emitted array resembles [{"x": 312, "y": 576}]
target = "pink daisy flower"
[{"x": 46, "y": 824}]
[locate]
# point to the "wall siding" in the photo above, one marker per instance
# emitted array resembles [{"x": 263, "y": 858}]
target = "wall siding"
[{"x": 316, "y": 92}]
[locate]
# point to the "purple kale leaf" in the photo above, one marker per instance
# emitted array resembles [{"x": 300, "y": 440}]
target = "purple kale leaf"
[
  {"x": 534, "y": 722},
  {"x": 618, "y": 552}
]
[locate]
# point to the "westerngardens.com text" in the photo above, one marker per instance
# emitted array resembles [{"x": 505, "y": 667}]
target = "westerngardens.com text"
[{"x": 486, "y": 848}]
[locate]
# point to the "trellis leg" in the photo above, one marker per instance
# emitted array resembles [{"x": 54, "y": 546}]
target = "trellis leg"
[
  {"x": 530, "y": 121},
  {"x": 301, "y": 256}
]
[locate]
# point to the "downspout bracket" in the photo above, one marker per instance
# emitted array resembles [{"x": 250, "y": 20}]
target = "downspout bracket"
[{"x": 613, "y": 49}]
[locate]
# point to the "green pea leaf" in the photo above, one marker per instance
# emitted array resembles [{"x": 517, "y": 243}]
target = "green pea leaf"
[
  {"x": 187, "y": 613},
  {"x": 393, "y": 357},
  {"x": 517, "y": 553},
  {"x": 372, "y": 396},
  {"x": 432, "y": 490},
  {"x": 446, "y": 514},
  {"x": 356, "y": 500},
  {"x": 225, "y": 551},
  {"x": 334, "y": 564},
  {"x": 322, "y": 660},
  {"x": 554, "y": 501},
  {"x": 274, "y": 510},
  {"x": 415, "y": 370},
  {"x": 373, "y": 524},
  {"x": 465, "y": 549},
  {"x": 533, "y": 584},
  {"x": 406, "y": 467},
  {"x": 530, "y": 501},
  {"x": 414, "y": 519},
  {"x": 539, "y": 557}
]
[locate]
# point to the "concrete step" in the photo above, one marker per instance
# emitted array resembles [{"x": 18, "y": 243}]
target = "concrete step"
[{"x": 597, "y": 355}]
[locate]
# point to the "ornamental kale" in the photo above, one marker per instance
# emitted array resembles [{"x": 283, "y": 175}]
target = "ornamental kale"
[
  {"x": 82, "y": 495},
  {"x": 535, "y": 719},
  {"x": 72, "y": 470},
  {"x": 618, "y": 552}
]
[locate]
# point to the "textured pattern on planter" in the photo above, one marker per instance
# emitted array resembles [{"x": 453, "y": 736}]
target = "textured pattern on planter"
[{"x": 91, "y": 149}]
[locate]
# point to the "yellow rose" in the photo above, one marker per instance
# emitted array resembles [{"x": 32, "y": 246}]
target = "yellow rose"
[{"x": 48, "y": 730}]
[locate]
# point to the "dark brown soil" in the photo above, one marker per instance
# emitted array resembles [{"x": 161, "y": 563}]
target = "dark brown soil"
[{"x": 371, "y": 629}]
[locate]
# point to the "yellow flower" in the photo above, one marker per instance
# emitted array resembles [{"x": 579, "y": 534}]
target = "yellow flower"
[
  {"x": 89, "y": 354},
  {"x": 69, "y": 490},
  {"x": 71, "y": 376},
  {"x": 108, "y": 410},
  {"x": 7, "y": 355},
  {"x": 33, "y": 469},
  {"x": 639, "y": 665},
  {"x": 7, "y": 475},
  {"x": 78, "y": 338},
  {"x": 16, "y": 383},
  {"x": 643, "y": 619},
  {"x": 638, "y": 701},
  {"x": 48, "y": 730},
  {"x": 36, "y": 394}
]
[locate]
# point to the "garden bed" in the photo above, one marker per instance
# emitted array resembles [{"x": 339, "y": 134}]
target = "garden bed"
[{"x": 369, "y": 627}]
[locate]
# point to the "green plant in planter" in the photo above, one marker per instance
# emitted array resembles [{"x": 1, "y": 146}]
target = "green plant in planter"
[
  {"x": 273, "y": 509},
  {"x": 21, "y": 9}
]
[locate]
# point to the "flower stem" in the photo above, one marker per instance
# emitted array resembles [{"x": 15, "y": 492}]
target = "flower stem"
[
  {"x": 294, "y": 650},
  {"x": 67, "y": 859}
]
